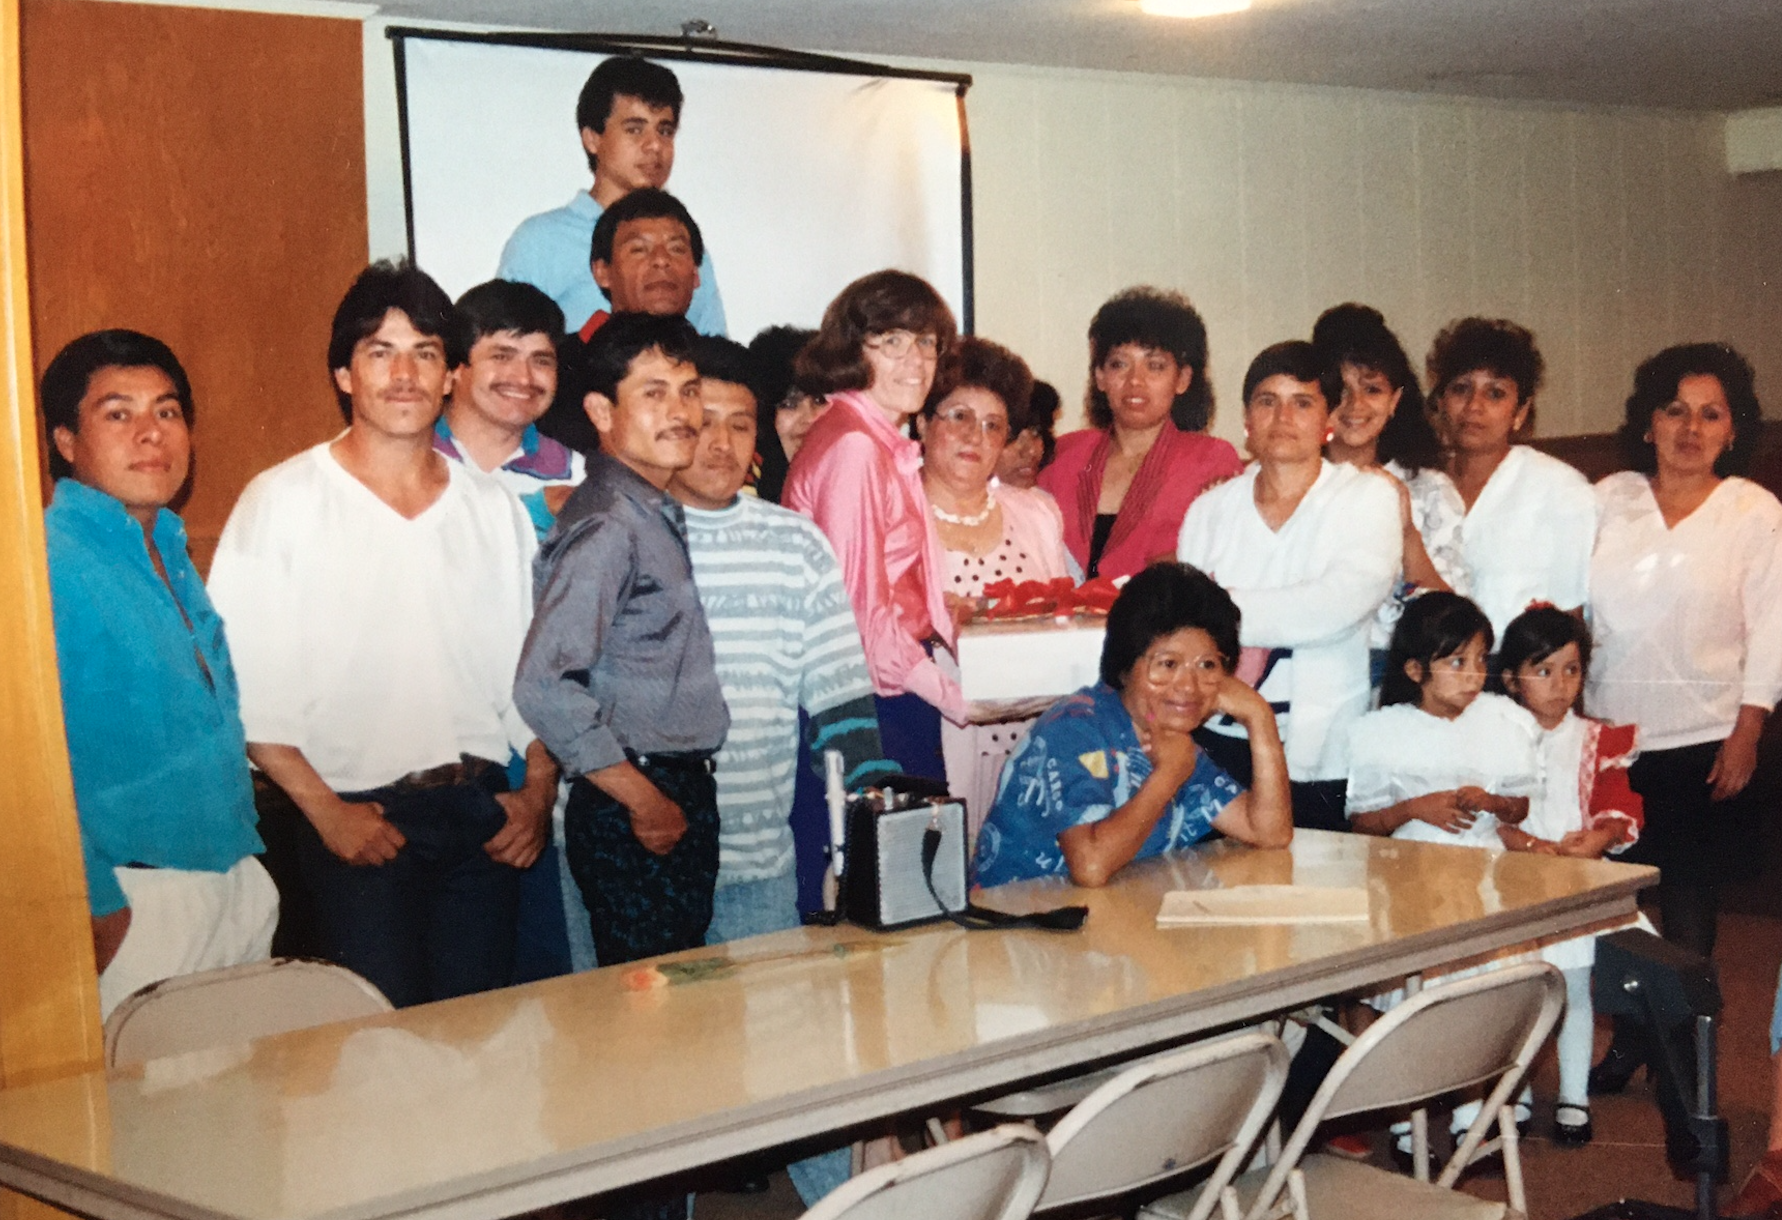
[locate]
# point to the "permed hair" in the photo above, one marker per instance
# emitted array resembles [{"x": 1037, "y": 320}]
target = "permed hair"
[
  {"x": 624, "y": 76},
  {"x": 380, "y": 288},
  {"x": 646, "y": 203},
  {"x": 1495, "y": 345},
  {"x": 1357, "y": 336},
  {"x": 1153, "y": 318},
  {"x": 1161, "y": 600},
  {"x": 1433, "y": 626},
  {"x": 1656, "y": 383},
  {"x": 989, "y": 366},
  {"x": 66, "y": 379},
  {"x": 873, "y": 304}
]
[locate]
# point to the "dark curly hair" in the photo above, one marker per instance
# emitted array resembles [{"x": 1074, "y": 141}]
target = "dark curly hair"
[
  {"x": 1495, "y": 345},
  {"x": 1154, "y": 318},
  {"x": 1656, "y": 383},
  {"x": 993, "y": 367},
  {"x": 1357, "y": 335},
  {"x": 1161, "y": 600}
]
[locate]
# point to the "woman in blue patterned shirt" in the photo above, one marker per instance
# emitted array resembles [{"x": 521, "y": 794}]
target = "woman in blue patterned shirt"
[{"x": 1111, "y": 774}]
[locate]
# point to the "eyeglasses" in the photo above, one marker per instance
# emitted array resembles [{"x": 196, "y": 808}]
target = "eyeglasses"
[
  {"x": 896, "y": 344},
  {"x": 965, "y": 419},
  {"x": 1163, "y": 669}
]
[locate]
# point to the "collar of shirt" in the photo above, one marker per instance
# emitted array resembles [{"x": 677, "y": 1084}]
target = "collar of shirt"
[
  {"x": 533, "y": 457},
  {"x": 906, "y": 453},
  {"x": 640, "y": 491},
  {"x": 109, "y": 514}
]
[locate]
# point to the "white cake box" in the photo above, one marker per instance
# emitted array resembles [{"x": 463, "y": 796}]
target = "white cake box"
[{"x": 1030, "y": 658}]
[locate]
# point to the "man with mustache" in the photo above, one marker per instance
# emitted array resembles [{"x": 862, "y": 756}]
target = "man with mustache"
[
  {"x": 629, "y": 112},
  {"x": 617, "y": 676},
  {"x": 148, "y": 692},
  {"x": 375, "y": 597}
]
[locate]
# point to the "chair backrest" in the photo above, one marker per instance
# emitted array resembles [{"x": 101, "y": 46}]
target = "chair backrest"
[
  {"x": 1166, "y": 1115},
  {"x": 1448, "y": 1036},
  {"x": 235, "y": 1004},
  {"x": 995, "y": 1175}
]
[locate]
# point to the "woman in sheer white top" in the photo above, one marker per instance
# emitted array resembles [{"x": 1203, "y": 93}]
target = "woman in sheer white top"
[{"x": 1381, "y": 425}]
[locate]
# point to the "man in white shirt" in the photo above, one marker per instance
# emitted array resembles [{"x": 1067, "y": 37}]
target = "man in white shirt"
[{"x": 375, "y": 596}]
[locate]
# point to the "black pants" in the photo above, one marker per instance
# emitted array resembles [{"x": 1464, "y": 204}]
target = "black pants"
[
  {"x": 1691, "y": 838},
  {"x": 641, "y": 904},
  {"x": 438, "y": 920},
  {"x": 1318, "y": 804}
]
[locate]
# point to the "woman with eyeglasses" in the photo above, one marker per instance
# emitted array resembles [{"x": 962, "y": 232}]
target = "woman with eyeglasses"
[
  {"x": 1125, "y": 483},
  {"x": 1111, "y": 774},
  {"x": 989, "y": 530},
  {"x": 859, "y": 477}
]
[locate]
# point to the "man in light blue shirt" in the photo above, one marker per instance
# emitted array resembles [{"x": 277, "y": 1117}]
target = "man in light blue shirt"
[
  {"x": 628, "y": 112},
  {"x": 155, "y": 743}
]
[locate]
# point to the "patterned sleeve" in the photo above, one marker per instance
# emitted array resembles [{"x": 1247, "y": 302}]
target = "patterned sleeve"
[
  {"x": 1438, "y": 511},
  {"x": 1062, "y": 775}
]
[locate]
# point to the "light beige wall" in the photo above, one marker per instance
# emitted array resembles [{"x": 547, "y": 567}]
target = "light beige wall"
[{"x": 1610, "y": 233}]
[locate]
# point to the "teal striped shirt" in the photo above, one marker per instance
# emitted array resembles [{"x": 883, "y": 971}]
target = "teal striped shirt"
[{"x": 785, "y": 638}]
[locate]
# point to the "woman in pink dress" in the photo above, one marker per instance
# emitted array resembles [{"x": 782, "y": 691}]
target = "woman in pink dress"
[
  {"x": 859, "y": 477},
  {"x": 1125, "y": 483}
]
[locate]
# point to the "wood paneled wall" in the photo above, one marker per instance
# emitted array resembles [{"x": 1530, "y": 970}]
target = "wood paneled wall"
[{"x": 200, "y": 175}]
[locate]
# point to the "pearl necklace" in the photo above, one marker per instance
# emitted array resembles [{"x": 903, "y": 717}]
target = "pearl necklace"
[{"x": 975, "y": 519}]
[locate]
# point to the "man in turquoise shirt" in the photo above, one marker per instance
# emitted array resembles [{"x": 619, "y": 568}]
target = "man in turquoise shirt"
[
  {"x": 628, "y": 112},
  {"x": 166, "y": 806}
]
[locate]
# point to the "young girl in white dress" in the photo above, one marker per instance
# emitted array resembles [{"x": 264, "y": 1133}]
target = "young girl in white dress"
[
  {"x": 1441, "y": 761},
  {"x": 1585, "y": 808}
]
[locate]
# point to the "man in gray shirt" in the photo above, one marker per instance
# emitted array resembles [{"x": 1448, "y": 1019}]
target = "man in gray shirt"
[{"x": 617, "y": 677}]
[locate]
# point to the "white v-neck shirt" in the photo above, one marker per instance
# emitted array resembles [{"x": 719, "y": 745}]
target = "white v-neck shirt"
[
  {"x": 1314, "y": 588},
  {"x": 1528, "y": 537},
  {"x": 1688, "y": 619},
  {"x": 377, "y": 644}
]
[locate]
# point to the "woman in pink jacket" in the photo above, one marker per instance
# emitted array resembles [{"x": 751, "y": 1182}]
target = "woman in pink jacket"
[{"x": 1125, "y": 483}]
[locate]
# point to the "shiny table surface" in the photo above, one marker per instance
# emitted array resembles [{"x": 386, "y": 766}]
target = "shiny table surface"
[{"x": 499, "y": 1103}]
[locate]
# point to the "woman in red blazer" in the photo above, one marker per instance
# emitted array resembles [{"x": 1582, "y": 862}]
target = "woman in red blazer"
[{"x": 1125, "y": 483}]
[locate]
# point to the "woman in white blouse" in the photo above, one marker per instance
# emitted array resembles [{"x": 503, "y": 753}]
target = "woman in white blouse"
[
  {"x": 1381, "y": 425},
  {"x": 1686, "y": 600},
  {"x": 1530, "y": 519},
  {"x": 1309, "y": 549}
]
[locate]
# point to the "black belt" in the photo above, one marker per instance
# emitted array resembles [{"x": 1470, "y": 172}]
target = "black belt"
[{"x": 677, "y": 760}]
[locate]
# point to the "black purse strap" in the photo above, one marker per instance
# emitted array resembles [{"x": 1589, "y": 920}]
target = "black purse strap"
[{"x": 977, "y": 919}]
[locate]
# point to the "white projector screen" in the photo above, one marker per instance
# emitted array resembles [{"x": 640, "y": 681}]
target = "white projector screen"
[{"x": 800, "y": 180}]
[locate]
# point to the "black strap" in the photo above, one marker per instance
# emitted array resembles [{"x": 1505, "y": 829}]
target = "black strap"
[{"x": 976, "y": 918}]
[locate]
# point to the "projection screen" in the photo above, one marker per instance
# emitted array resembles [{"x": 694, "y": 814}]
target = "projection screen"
[{"x": 800, "y": 179}]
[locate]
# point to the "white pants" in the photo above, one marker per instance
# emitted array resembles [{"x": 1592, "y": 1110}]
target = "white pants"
[{"x": 183, "y": 921}]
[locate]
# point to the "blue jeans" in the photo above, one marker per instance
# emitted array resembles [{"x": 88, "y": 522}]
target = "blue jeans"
[
  {"x": 755, "y": 908},
  {"x": 436, "y": 921}
]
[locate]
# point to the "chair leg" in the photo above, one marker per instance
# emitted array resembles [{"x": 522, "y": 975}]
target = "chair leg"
[
  {"x": 1228, "y": 1205},
  {"x": 1296, "y": 1190},
  {"x": 1512, "y": 1147},
  {"x": 937, "y": 1132},
  {"x": 1420, "y": 1144}
]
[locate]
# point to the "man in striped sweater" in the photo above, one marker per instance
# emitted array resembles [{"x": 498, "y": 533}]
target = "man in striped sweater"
[{"x": 785, "y": 639}]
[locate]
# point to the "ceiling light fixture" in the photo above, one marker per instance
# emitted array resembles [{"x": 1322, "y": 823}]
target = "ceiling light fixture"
[{"x": 1192, "y": 8}]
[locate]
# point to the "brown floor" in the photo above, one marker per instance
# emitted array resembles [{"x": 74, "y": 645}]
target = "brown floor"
[{"x": 1626, "y": 1160}]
